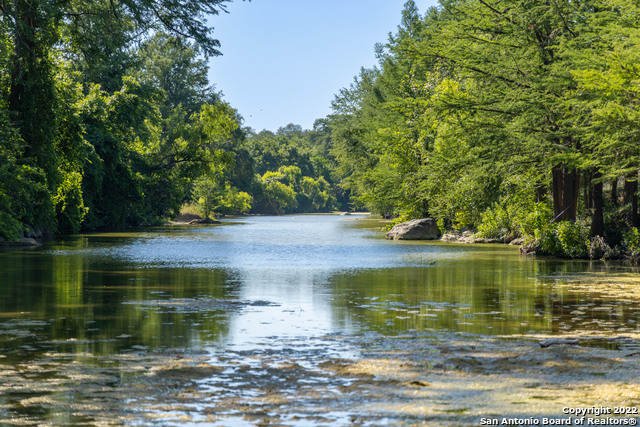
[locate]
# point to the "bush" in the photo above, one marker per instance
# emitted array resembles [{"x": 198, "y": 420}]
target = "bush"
[
  {"x": 574, "y": 239},
  {"x": 506, "y": 219},
  {"x": 234, "y": 202},
  {"x": 565, "y": 239},
  {"x": 631, "y": 241},
  {"x": 516, "y": 213},
  {"x": 547, "y": 240},
  {"x": 496, "y": 223}
]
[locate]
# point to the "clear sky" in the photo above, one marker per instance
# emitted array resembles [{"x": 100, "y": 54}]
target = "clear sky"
[{"x": 284, "y": 60}]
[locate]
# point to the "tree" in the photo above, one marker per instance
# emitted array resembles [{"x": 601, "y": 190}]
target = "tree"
[{"x": 53, "y": 54}]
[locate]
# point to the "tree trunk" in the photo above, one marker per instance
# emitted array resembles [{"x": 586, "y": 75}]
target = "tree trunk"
[
  {"x": 614, "y": 192},
  {"x": 565, "y": 193},
  {"x": 597, "y": 221},
  {"x": 587, "y": 188},
  {"x": 541, "y": 193},
  {"x": 631, "y": 197}
]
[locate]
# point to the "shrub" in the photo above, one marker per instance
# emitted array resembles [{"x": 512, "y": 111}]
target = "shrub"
[
  {"x": 565, "y": 239},
  {"x": 495, "y": 222},
  {"x": 548, "y": 242},
  {"x": 574, "y": 239},
  {"x": 516, "y": 213},
  {"x": 631, "y": 240}
]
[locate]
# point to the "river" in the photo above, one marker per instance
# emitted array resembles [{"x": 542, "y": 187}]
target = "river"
[{"x": 182, "y": 325}]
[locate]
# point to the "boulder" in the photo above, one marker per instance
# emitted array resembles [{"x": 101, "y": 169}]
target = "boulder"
[
  {"x": 458, "y": 238},
  {"x": 205, "y": 221},
  {"x": 517, "y": 242},
  {"x": 488, "y": 240},
  {"x": 24, "y": 241},
  {"x": 417, "y": 229}
]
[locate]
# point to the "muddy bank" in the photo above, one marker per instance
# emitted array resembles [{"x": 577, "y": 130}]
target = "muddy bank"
[{"x": 414, "y": 379}]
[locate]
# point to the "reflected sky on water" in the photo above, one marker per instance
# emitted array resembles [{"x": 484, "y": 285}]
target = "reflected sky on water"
[{"x": 316, "y": 274}]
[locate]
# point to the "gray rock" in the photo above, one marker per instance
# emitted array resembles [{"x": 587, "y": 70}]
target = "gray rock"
[
  {"x": 25, "y": 241},
  {"x": 205, "y": 221},
  {"x": 34, "y": 233},
  {"x": 488, "y": 240},
  {"x": 517, "y": 242},
  {"x": 458, "y": 238},
  {"x": 469, "y": 237},
  {"x": 417, "y": 229}
]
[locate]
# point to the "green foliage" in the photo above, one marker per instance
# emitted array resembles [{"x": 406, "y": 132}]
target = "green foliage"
[
  {"x": 206, "y": 194},
  {"x": 234, "y": 202},
  {"x": 10, "y": 225},
  {"x": 502, "y": 120},
  {"x": 548, "y": 241},
  {"x": 298, "y": 160},
  {"x": 83, "y": 144},
  {"x": 574, "y": 239},
  {"x": 119, "y": 127},
  {"x": 213, "y": 197},
  {"x": 472, "y": 96},
  {"x": 69, "y": 203},
  {"x": 631, "y": 240},
  {"x": 564, "y": 239},
  {"x": 279, "y": 197},
  {"x": 516, "y": 213},
  {"x": 174, "y": 66},
  {"x": 315, "y": 195}
]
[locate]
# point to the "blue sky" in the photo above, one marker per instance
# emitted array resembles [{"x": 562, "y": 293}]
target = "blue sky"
[{"x": 284, "y": 60}]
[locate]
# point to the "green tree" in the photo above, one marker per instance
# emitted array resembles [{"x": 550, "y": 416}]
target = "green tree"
[{"x": 84, "y": 135}]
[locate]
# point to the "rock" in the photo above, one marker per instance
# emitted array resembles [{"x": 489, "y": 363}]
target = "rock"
[
  {"x": 488, "y": 240},
  {"x": 469, "y": 237},
  {"x": 25, "y": 241},
  {"x": 558, "y": 341},
  {"x": 417, "y": 229},
  {"x": 34, "y": 233},
  {"x": 457, "y": 238},
  {"x": 345, "y": 213},
  {"x": 28, "y": 241},
  {"x": 450, "y": 237},
  {"x": 205, "y": 221}
]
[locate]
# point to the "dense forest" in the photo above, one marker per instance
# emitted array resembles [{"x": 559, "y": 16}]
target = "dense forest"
[{"x": 508, "y": 118}]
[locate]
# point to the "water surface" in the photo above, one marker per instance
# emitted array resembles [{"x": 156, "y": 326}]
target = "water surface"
[{"x": 283, "y": 285}]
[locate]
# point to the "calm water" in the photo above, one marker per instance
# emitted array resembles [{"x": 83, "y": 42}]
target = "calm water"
[{"x": 261, "y": 282}]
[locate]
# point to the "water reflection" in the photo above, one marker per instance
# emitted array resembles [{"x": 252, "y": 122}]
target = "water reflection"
[
  {"x": 265, "y": 289},
  {"x": 323, "y": 273},
  {"x": 65, "y": 301}
]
